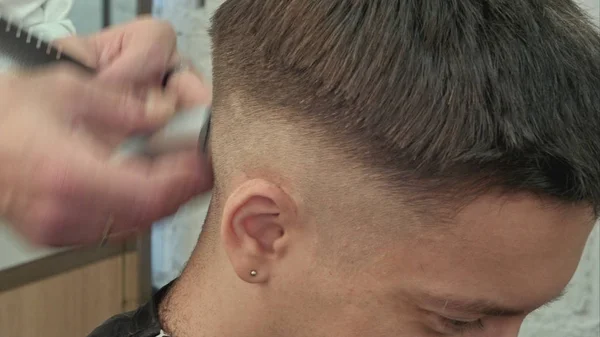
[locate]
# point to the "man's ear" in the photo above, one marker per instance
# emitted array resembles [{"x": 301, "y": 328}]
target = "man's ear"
[{"x": 255, "y": 228}]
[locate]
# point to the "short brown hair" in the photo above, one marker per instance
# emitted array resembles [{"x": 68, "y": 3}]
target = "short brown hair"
[{"x": 441, "y": 96}]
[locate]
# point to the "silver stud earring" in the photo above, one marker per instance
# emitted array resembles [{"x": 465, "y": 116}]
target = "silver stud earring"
[{"x": 253, "y": 273}]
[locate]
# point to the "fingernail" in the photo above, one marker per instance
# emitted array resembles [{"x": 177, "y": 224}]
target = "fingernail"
[{"x": 159, "y": 107}]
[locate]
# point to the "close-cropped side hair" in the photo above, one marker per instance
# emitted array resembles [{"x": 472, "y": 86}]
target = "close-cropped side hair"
[{"x": 441, "y": 98}]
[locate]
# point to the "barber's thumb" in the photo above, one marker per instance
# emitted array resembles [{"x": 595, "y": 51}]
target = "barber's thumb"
[
  {"x": 127, "y": 112},
  {"x": 160, "y": 107}
]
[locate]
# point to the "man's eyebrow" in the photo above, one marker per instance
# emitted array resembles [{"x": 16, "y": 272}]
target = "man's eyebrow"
[{"x": 480, "y": 307}]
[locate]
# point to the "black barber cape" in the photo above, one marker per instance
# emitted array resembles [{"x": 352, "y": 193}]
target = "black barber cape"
[{"x": 143, "y": 322}]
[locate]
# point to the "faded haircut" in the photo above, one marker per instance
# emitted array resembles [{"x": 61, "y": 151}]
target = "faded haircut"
[{"x": 438, "y": 97}]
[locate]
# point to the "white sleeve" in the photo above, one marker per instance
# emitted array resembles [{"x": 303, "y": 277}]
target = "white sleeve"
[{"x": 48, "y": 18}]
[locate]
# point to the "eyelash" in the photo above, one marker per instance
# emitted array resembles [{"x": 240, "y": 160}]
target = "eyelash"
[{"x": 463, "y": 326}]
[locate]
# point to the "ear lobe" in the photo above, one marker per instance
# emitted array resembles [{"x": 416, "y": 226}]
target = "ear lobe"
[{"x": 256, "y": 219}]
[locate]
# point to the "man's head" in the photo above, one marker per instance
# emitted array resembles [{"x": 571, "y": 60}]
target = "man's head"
[{"x": 398, "y": 168}]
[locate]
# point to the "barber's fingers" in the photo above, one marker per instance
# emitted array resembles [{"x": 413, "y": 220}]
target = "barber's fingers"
[
  {"x": 80, "y": 48},
  {"x": 68, "y": 190},
  {"x": 72, "y": 91},
  {"x": 145, "y": 52},
  {"x": 122, "y": 112},
  {"x": 139, "y": 192},
  {"x": 178, "y": 177},
  {"x": 190, "y": 89},
  {"x": 47, "y": 222},
  {"x": 134, "y": 195}
]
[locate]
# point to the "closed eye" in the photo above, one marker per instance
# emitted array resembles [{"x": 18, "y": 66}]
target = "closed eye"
[{"x": 455, "y": 326}]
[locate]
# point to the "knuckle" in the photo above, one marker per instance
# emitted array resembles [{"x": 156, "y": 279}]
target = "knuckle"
[
  {"x": 137, "y": 214},
  {"x": 165, "y": 28},
  {"x": 129, "y": 111},
  {"x": 159, "y": 202},
  {"x": 47, "y": 222},
  {"x": 162, "y": 195},
  {"x": 143, "y": 210},
  {"x": 161, "y": 27},
  {"x": 172, "y": 195},
  {"x": 162, "y": 200}
]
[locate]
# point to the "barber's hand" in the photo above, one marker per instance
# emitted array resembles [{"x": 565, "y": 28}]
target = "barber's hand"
[
  {"x": 137, "y": 55},
  {"x": 58, "y": 182}
]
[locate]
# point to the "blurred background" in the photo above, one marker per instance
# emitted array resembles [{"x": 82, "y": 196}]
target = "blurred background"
[{"x": 66, "y": 293}]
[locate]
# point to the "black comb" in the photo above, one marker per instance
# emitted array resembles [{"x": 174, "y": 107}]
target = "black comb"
[{"x": 20, "y": 48}]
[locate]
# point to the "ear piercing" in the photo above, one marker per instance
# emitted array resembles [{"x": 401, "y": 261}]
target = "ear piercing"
[{"x": 253, "y": 273}]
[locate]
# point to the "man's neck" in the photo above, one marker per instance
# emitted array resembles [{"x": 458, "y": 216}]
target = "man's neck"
[{"x": 202, "y": 302}]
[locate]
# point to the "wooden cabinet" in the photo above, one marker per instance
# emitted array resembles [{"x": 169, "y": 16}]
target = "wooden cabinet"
[{"x": 73, "y": 301}]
